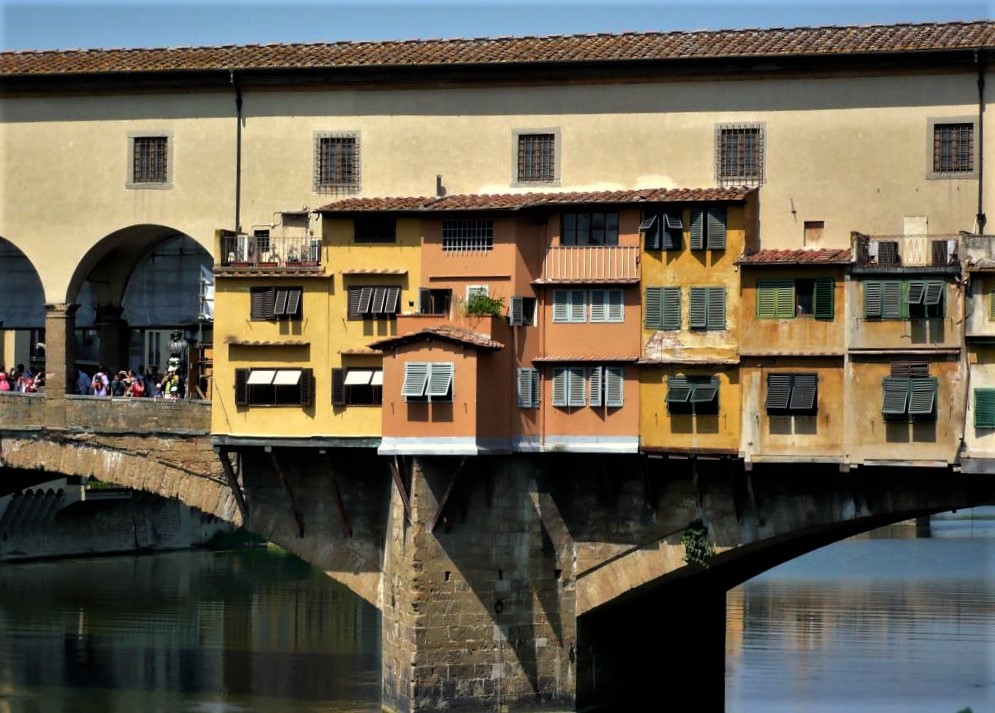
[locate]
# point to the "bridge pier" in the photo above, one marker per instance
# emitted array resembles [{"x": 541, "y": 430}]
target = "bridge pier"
[{"x": 60, "y": 360}]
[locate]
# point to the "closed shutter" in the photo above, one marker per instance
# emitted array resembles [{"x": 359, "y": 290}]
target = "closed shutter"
[
  {"x": 269, "y": 297},
  {"x": 716, "y": 308},
  {"x": 257, "y": 303},
  {"x": 614, "y": 386},
  {"x": 615, "y": 306},
  {"x": 560, "y": 309},
  {"x": 307, "y": 387},
  {"x": 671, "y": 308},
  {"x": 338, "y": 387},
  {"x": 294, "y": 302},
  {"x": 991, "y": 306},
  {"x": 872, "y": 300},
  {"x": 803, "y": 392},
  {"x": 698, "y": 317},
  {"x": 922, "y": 396},
  {"x": 392, "y": 301},
  {"x": 241, "y": 387},
  {"x": 892, "y": 300},
  {"x": 440, "y": 381},
  {"x": 526, "y": 391},
  {"x": 559, "y": 386},
  {"x": 353, "y": 311},
  {"x": 424, "y": 300},
  {"x": 767, "y": 299},
  {"x": 516, "y": 312},
  {"x": 697, "y": 229},
  {"x": 576, "y": 386},
  {"x": 595, "y": 380},
  {"x": 678, "y": 390},
  {"x": 599, "y": 310},
  {"x": 896, "y": 396},
  {"x": 823, "y": 297},
  {"x": 415, "y": 379},
  {"x": 785, "y": 299},
  {"x": 910, "y": 369},
  {"x": 984, "y": 408},
  {"x": 653, "y": 308},
  {"x": 577, "y": 306},
  {"x": 717, "y": 228},
  {"x": 778, "y": 392}
]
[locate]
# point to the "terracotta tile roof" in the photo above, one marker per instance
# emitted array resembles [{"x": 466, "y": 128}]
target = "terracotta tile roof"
[
  {"x": 519, "y": 201},
  {"x": 268, "y": 342},
  {"x": 375, "y": 271},
  {"x": 452, "y": 334},
  {"x": 597, "y": 358},
  {"x": 796, "y": 257},
  {"x": 621, "y": 47}
]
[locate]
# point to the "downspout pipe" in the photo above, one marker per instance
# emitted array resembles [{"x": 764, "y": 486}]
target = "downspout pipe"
[
  {"x": 238, "y": 151},
  {"x": 980, "y": 63}
]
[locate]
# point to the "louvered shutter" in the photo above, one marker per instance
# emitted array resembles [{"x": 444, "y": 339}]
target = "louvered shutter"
[
  {"x": 716, "y": 318},
  {"x": 257, "y": 304},
  {"x": 526, "y": 389},
  {"x": 872, "y": 300},
  {"x": 536, "y": 393},
  {"x": 307, "y": 387},
  {"x": 294, "y": 302},
  {"x": 595, "y": 380},
  {"x": 338, "y": 387},
  {"x": 560, "y": 308},
  {"x": 424, "y": 300},
  {"x": 803, "y": 392},
  {"x": 653, "y": 308},
  {"x": 934, "y": 293},
  {"x": 516, "y": 312},
  {"x": 991, "y": 306},
  {"x": 615, "y": 306},
  {"x": 896, "y": 396},
  {"x": 576, "y": 386},
  {"x": 415, "y": 379},
  {"x": 392, "y": 301},
  {"x": 673, "y": 233},
  {"x": 378, "y": 299},
  {"x": 984, "y": 408},
  {"x": 280, "y": 303},
  {"x": 577, "y": 306},
  {"x": 698, "y": 317},
  {"x": 242, "y": 387},
  {"x": 671, "y": 308},
  {"x": 559, "y": 386},
  {"x": 778, "y": 392},
  {"x": 678, "y": 390},
  {"x": 767, "y": 299},
  {"x": 922, "y": 396},
  {"x": 353, "y": 312},
  {"x": 705, "y": 392},
  {"x": 365, "y": 298},
  {"x": 901, "y": 369},
  {"x": 697, "y": 229},
  {"x": 785, "y": 299},
  {"x": 599, "y": 310},
  {"x": 717, "y": 228},
  {"x": 917, "y": 290},
  {"x": 892, "y": 300},
  {"x": 440, "y": 380},
  {"x": 823, "y": 298},
  {"x": 653, "y": 229},
  {"x": 614, "y": 386}
]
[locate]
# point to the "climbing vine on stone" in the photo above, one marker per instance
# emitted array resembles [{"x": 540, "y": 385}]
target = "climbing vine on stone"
[{"x": 697, "y": 548}]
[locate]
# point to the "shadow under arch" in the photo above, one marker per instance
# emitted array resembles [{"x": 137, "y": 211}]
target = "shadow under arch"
[{"x": 22, "y": 297}]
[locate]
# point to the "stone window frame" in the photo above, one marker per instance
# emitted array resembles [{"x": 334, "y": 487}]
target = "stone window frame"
[
  {"x": 130, "y": 182},
  {"x": 756, "y": 176},
  {"x": 931, "y": 125},
  {"x": 344, "y": 187},
  {"x": 516, "y": 168}
]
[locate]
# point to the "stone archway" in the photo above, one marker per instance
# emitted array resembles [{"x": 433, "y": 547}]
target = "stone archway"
[{"x": 22, "y": 309}]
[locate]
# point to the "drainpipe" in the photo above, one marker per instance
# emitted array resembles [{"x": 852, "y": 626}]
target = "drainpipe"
[
  {"x": 238, "y": 152},
  {"x": 979, "y": 61}
]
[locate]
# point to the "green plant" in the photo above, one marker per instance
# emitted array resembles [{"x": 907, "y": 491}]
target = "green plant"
[
  {"x": 697, "y": 548},
  {"x": 483, "y": 304}
]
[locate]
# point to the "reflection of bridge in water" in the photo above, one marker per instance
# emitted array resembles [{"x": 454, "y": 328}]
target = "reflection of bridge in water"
[{"x": 588, "y": 550}]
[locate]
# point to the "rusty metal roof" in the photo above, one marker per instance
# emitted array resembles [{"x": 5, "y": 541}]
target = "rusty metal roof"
[
  {"x": 587, "y": 48},
  {"x": 826, "y": 256},
  {"x": 465, "y": 337},
  {"x": 519, "y": 201}
]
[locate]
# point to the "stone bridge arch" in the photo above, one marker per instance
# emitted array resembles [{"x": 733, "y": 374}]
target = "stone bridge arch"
[{"x": 22, "y": 307}]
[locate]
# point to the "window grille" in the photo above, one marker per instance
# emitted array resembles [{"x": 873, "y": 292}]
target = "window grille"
[
  {"x": 149, "y": 159},
  {"x": 739, "y": 156},
  {"x": 953, "y": 148},
  {"x": 536, "y": 158},
  {"x": 467, "y": 235},
  {"x": 336, "y": 159}
]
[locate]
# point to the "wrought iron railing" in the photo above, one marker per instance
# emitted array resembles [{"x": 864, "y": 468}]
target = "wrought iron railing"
[
  {"x": 269, "y": 251},
  {"x": 905, "y": 250}
]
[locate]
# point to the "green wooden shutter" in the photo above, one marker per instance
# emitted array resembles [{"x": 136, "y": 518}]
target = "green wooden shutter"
[
  {"x": 778, "y": 392},
  {"x": 916, "y": 292},
  {"x": 984, "y": 408},
  {"x": 698, "y": 317},
  {"x": 896, "y": 396},
  {"x": 872, "y": 299},
  {"x": 678, "y": 390},
  {"x": 922, "y": 397},
  {"x": 893, "y": 306},
  {"x": 705, "y": 392},
  {"x": 717, "y": 228},
  {"x": 338, "y": 387},
  {"x": 716, "y": 318},
  {"x": 673, "y": 232},
  {"x": 803, "y": 392},
  {"x": 933, "y": 294},
  {"x": 697, "y": 229},
  {"x": 767, "y": 299},
  {"x": 823, "y": 298},
  {"x": 785, "y": 299},
  {"x": 671, "y": 308},
  {"x": 653, "y": 308}
]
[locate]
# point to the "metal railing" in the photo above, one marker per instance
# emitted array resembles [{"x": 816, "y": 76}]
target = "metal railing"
[
  {"x": 579, "y": 263},
  {"x": 271, "y": 251},
  {"x": 905, "y": 250}
]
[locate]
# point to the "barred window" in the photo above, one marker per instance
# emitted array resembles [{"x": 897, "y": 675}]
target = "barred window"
[
  {"x": 336, "y": 163},
  {"x": 739, "y": 155},
  {"x": 536, "y": 158},
  {"x": 149, "y": 159},
  {"x": 953, "y": 148},
  {"x": 467, "y": 235}
]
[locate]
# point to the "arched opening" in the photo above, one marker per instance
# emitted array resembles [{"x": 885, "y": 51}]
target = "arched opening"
[{"x": 22, "y": 311}]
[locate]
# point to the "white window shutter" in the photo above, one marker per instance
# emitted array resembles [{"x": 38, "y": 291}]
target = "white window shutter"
[
  {"x": 415, "y": 379},
  {"x": 576, "y": 387},
  {"x": 614, "y": 386},
  {"x": 559, "y": 386},
  {"x": 595, "y": 378},
  {"x": 440, "y": 379},
  {"x": 616, "y": 306},
  {"x": 578, "y": 306},
  {"x": 560, "y": 309},
  {"x": 365, "y": 297},
  {"x": 599, "y": 311},
  {"x": 528, "y": 388}
]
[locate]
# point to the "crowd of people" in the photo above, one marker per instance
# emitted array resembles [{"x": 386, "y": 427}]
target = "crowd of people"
[
  {"x": 21, "y": 379},
  {"x": 130, "y": 383}
]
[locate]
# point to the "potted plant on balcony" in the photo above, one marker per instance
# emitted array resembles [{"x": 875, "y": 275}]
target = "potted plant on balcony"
[
  {"x": 293, "y": 257},
  {"x": 271, "y": 259}
]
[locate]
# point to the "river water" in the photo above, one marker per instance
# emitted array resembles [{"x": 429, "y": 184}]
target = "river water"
[{"x": 866, "y": 625}]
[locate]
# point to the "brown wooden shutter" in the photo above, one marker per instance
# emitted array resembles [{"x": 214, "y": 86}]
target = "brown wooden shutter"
[
  {"x": 307, "y": 387},
  {"x": 338, "y": 387},
  {"x": 242, "y": 387}
]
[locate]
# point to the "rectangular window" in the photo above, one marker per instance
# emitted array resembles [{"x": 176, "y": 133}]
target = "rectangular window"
[
  {"x": 908, "y": 393},
  {"x": 695, "y": 395},
  {"x": 589, "y": 229},
  {"x": 336, "y": 163},
  {"x": 428, "y": 381},
  {"x": 739, "y": 159},
  {"x": 467, "y": 235},
  {"x": 522, "y": 311},
  {"x": 434, "y": 301},
  {"x": 536, "y": 158},
  {"x": 374, "y": 302},
  {"x": 792, "y": 393},
  {"x": 925, "y": 299},
  {"x": 569, "y": 305},
  {"x": 953, "y": 148},
  {"x": 263, "y": 246},
  {"x": 274, "y": 387},
  {"x": 150, "y": 159},
  {"x": 786, "y": 298},
  {"x": 569, "y": 386},
  {"x": 528, "y": 388},
  {"x": 357, "y": 387},
  {"x": 708, "y": 228},
  {"x": 663, "y": 308},
  {"x": 272, "y": 303},
  {"x": 374, "y": 229},
  {"x": 607, "y": 306},
  {"x": 903, "y": 299},
  {"x": 984, "y": 408},
  {"x": 663, "y": 231},
  {"x": 707, "y": 308}
]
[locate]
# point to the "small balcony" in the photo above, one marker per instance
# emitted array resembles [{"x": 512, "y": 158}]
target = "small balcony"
[
  {"x": 899, "y": 252},
  {"x": 251, "y": 251},
  {"x": 591, "y": 263}
]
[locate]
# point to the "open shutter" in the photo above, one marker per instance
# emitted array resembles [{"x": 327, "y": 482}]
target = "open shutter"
[
  {"x": 984, "y": 408},
  {"x": 599, "y": 310},
  {"x": 705, "y": 392},
  {"x": 615, "y": 306},
  {"x": 614, "y": 386},
  {"x": 526, "y": 393},
  {"x": 653, "y": 229},
  {"x": 872, "y": 300},
  {"x": 917, "y": 290},
  {"x": 365, "y": 298},
  {"x": 653, "y": 308},
  {"x": 392, "y": 301},
  {"x": 803, "y": 392},
  {"x": 516, "y": 312},
  {"x": 338, "y": 387},
  {"x": 440, "y": 380},
  {"x": 716, "y": 318},
  {"x": 767, "y": 299},
  {"x": 671, "y": 308},
  {"x": 378, "y": 300},
  {"x": 933, "y": 293},
  {"x": 778, "y": 392},
  {"x": 922, "y": 396},
  {"x": 717, "y": 228},
  {"x": 241, "y": 387},
  {"x": 698, "y": 318},
  {"x": 697, "y": 229},
  {"x": 280, "y": 303},
  {"x": 307, "y": 387},
  {"x": 415, "y": 379},
  {"x": 424, "y": 300},
  {"x": 294, "y": 302},
  {"x": 823, "y": 296},
  {"x": 576, "y": 386},
  {"x": 673, "y": 232},
  {"x": 560, "y": 308},
  {"x": 678, "y": 390},
  {"x": 896, "y": 396},
  {"x": 353, "y": 312},
  {"x": 892, "y": 301},
  {"x": 560, "y": 386},
  {"x": 596, "y": 379}
]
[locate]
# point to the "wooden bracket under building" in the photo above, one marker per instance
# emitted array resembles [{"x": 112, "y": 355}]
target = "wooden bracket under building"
[
  {"x": 339, "y": 503},
  {"x": 236, "y": 489},
  {"x": 441, "y": 512},
  {"x": 290, "y": 494},
  {"x": 402, "y": 489}
]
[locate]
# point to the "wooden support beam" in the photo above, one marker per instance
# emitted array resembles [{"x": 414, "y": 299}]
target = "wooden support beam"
[
  {"x": 290, "y": 494},
  {"x": 339, "y": 503},
  {"x": 440, "y": 513},
  {"x": 395, "y": 471},
  {"x": 236, "y": 489}
]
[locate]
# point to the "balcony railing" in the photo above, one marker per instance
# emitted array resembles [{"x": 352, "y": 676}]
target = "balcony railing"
[
  {"x": 905, "y": 250},
  {"x": 272, "y": 251},
  {"x": 591, "y": 263}
]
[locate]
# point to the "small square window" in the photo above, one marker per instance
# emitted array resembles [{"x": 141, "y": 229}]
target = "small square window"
[
  {"x": 375, "y": 229},
  {"x": 739, "y": 159},
  {"x": 536, "y": 158},
  {"x": 953, "y": 148},
  {"x": 336, "y": 163},
  {"x": 150, "y": 161}
]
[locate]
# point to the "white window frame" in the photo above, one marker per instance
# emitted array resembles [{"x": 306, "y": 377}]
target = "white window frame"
[{"x": 434, "y": 383}]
